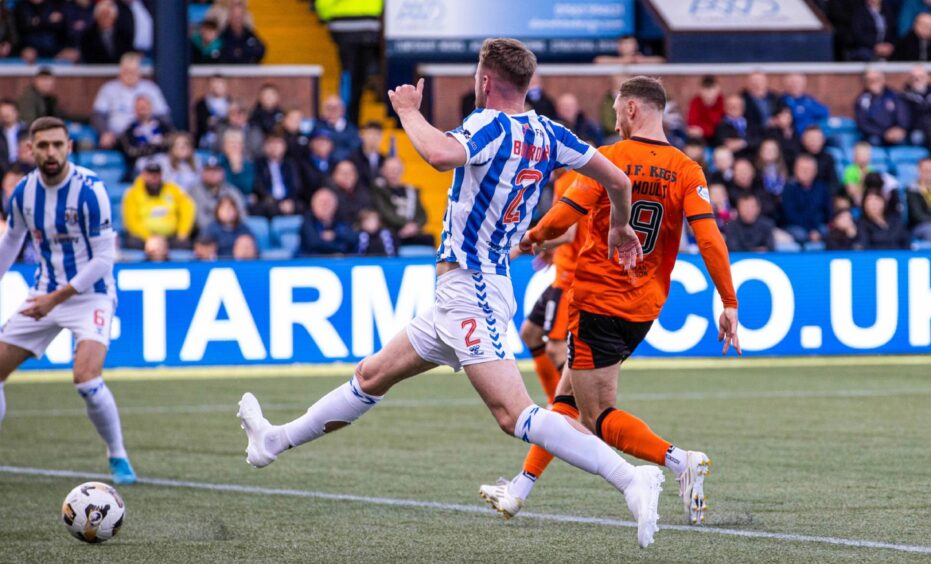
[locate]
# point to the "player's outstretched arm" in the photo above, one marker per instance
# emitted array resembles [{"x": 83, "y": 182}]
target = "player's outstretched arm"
[
  {"x": 622, "y": 239},
  {"x": 441, "y": 151},
  {"x": 714, "y": 253}
]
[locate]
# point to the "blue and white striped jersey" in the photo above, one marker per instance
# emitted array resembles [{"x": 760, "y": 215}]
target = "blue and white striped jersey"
[
  {"x": 64, "y": 221},
  {"x": 493, "y": 196}
]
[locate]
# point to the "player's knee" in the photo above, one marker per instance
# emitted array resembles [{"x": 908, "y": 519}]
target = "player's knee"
[
  {"x": 372, "y": 377},
  {"x": 84, "y": 374},
  {"x": 507, "y": 423}
]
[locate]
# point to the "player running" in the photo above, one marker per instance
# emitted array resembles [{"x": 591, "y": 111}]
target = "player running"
[
  {"x": 502, "y": 156},
  {"x": 544, "y": 331},
  {"x": 67, "y": 210},
  {"x": 611, "y": 309}
]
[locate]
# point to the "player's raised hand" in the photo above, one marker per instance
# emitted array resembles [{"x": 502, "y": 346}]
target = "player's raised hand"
[
  {"x": 624, "y": 242},
  {"x": 728, "y": 330},
  {"x": 406, "y": 97}
]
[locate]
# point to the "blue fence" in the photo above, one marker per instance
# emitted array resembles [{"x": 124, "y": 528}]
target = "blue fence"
[{"x": 315, "y": 311}]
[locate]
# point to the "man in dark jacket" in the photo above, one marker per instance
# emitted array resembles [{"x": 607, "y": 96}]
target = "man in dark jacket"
[
  {"x": 806, "y": 204},
  {"x": 735, "y": 131},
  {"x": 399, "y": 205},
  {"x": 278, "y": 189},
  {"x": 813, "y": 144},
  {"x": 917, "y": 96},
  {"x": 760, "y": 102},
  {"x": 240, "y": 45},
  {"x": 873, "y": 31},
  {"x": 916, "y": 45},
  {"x": 751, "y": 231},
  {"x": 322, "y": 233},
  {"x": 368, "y": 158},
  {"x": 105, "y": 42},
  {"x": 39, "y": 99},
  {"x": 882, "y": 116}
]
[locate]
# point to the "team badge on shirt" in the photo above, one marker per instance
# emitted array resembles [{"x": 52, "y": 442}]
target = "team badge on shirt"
[
  {"x": 703, "y": 194},
  {"x": 71, "y": 216}
]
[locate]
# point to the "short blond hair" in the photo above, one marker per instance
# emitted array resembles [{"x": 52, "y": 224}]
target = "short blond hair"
[{"x": 509, "y": 59}]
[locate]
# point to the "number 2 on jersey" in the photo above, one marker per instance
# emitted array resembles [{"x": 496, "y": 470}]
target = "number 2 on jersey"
[
  {"x": 646, "y": 217},
  {"x": 512, "y": 215}
]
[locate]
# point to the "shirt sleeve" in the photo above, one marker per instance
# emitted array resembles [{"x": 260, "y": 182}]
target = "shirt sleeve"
[
  {"x": 481, "y": 134},
  {"x": 571, "y": 152},
  {"x": 696, "y": 202},
  {"x": 577, "y": 201},
  {"x": 98, "y": 224},
  {"x": 98, "y": 217}
]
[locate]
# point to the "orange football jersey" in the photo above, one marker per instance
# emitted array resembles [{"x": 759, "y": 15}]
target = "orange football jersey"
[
  {"x": 667, "y": 186},
  {"x": 565, "y": 256}
]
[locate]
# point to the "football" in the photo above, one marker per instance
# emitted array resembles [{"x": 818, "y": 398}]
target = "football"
[{"x": 93, "y": 512}]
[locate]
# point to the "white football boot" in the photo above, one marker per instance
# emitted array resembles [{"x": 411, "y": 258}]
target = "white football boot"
[
  {"x": 256, "y": 427},
  {"x": 692, "y": 486},
  {"x": 642, "y": 497},
  {"x": 500, "y": 499}
]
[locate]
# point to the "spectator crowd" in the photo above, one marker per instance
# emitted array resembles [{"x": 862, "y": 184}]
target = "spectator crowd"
[
  {"x": 102, "y": 31},
  {"x": 249, "y": 172},
  {"x": 256, "y": 175}
]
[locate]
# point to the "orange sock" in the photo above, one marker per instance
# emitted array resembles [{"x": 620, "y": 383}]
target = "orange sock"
[
  {"x": 631, "y": 435},
  {"x": 546, "y": 371},
  {"x": 539, "y": 458}
]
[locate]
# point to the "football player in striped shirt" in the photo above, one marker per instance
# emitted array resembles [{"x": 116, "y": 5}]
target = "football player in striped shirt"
[
  {"x": 502, "y": 156},
  {"x": 66, "y": 209}
]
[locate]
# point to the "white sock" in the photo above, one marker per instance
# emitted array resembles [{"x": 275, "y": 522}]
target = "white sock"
[
  {"x": 522, "y": 485},
  {"x": 676, "y": 460},
  {"x": 333, "y": 411},
  {"x": 101, "y": 409},
  {"x": 2, "y": 403},
  {"x": 554, "y": 433}
]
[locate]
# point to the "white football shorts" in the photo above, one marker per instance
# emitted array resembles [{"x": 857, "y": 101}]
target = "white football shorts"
[
  {"x": 87, "y": 316},
  {"x": 468, "y": 322}
]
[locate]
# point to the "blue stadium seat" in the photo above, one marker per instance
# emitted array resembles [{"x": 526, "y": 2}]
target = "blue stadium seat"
[
  {"x": 285, "y": 224},
  {"x": 116, "y": 217},
  {"x": 416, "y": 251},
  {"x": 845, "y": 140},
  {"x": 836, "y": 152},
  {"x": 907, "y": 154},
  {"x": 907, "y": 173},
  {"x": 840, "y": 124},
  {"x": 110, "y": 176},
  {"x": 101, "y": 159},
  {"x": 879, "y": 155},
  {"x": 918, "y": 245},
  {"x": 290, "y": 242},
  {"x": 131, "y": 255},
  {"x": 259, "y": 227},
  {"x": 180, "y": 255},
  {"x": 882, "y": 167},
  {"x": 82, "y": 133},
  {"x": 276, "y": 254}
]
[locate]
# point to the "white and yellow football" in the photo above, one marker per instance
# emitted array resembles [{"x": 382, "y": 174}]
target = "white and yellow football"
[{"x": 93, "y": 512}]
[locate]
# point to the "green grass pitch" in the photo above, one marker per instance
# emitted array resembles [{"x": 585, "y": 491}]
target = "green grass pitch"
[{"x": 830, "y": 451}]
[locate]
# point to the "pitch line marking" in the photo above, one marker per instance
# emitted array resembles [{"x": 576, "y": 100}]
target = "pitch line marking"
[
  {"x": 346, "y": 368},
  {"x": 469, "y": 402},
  {"x": 462, "y": 508}
]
